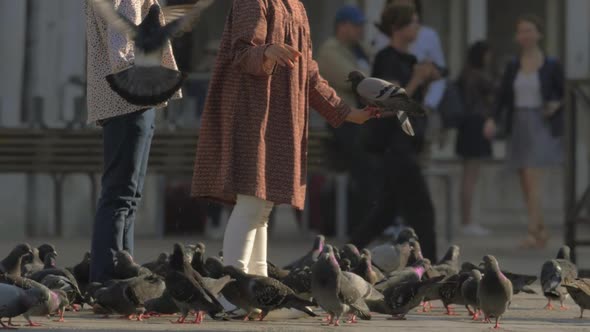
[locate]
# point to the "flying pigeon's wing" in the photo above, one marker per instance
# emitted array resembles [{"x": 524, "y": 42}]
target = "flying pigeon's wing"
[
  {"x": 185, "y": 23},
  {"x": 106, "y": 10}
]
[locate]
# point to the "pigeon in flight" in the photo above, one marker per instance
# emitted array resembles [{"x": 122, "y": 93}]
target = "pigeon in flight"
[{"x": 147, "y": 82}]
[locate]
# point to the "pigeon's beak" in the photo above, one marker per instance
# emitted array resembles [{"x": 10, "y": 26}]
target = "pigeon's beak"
[{"x": 55, "y": 252}]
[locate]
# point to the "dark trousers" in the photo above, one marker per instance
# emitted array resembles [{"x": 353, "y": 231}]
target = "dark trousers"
[
  {"x": 402, "y": 192},
  {"x": 127, "y": 141}
]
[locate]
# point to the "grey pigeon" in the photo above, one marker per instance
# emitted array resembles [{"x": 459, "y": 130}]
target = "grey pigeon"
[
  {"x": 299, "y": 280},
  {"x": 31, "y": 263},
  {"x": 64, "y": 284},
  {"x": 158, "y": 266},
  {"x": 555, "y": 272},
  {"x": 188, "y": 290},
  {"x": 15, "y": 301},
  {"x": 449, "y": 264},
  {"x": 81, "y": 272},
  {"x": 128, "y": 297},
  {"x": 366, "y": 269},
  {"x": 403, "y": 297},
  {"x": 147, "y": 82},
  {"x": 198, "y": 261},
  {"x": 34, "y": 262},
  {"x": 351, "y": 252},
  {"x": 266, "y": 294},
  {"x": 494, "y": 291},
  {"x": 520, "y": 282},
  {"x": 309, "y": 258},
  {"x": 163, "y": 305},
  {"x": 50, "y": 268},
  {"x": 450, "y": 291},
  {"x": 390, "y": 98},
  {"x": 388, "y": 257},
  {"x": 276, "y": 272},
  {"x": 469, "y": 292},
  {"x": 126, "y": 268},
  {"x": 372, "y": 297},
  {"x": 409, "y": 274},
  {"x": 334, "y": 292},
  {"x": 55, "y": 301},
  {"x": 11, "y": 265},
  {"x": 579, "y": 290}
]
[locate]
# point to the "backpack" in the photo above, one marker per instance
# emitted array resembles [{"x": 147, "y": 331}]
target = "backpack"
[{"x": 451, "y": 107}]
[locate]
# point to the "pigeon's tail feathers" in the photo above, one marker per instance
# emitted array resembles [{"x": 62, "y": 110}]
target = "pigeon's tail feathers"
[
  {"x": 528, "y": 290},
  {"x": 361, "y": 313},
  {"x": 295, "y": 302},
  {"x": 146, "y": 86}
]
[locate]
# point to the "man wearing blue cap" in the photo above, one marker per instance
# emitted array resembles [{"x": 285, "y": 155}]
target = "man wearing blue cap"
[
  {"x": 337, "y": 57},
  {"x": 344, "y": 52}
]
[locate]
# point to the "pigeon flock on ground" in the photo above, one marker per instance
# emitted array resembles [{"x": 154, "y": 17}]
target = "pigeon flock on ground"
[{"x": 347, "y": 284}]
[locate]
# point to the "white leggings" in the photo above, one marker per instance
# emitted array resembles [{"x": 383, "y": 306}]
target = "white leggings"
[{"x": 244, "y": 242}]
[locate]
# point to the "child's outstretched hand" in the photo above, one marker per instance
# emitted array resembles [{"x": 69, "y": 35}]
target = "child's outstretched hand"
[{"x": 360, "y": 116}]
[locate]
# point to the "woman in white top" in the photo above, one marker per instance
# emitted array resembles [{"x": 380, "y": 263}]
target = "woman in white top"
[{"x": 531, "y": 92}]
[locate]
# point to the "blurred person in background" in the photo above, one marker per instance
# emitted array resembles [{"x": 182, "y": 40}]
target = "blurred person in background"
[
  {"x": 403, "y": 189},
  {"x": 477, "y": 88},
  {"x": 338, "y": 56},
  {"x": 426, "y": 48},
  {"x": 531, "y": 94}
]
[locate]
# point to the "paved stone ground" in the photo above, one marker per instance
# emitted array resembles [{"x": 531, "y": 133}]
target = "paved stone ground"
[{"x": 526, "y": 313}]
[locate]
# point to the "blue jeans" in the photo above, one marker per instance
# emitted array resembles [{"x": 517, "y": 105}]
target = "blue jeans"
[{"x": 126, "y": 141}]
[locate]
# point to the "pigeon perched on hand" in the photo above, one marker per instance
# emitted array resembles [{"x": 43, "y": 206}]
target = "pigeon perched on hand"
[
  {"x": 579, "y": 290},
  {"x": 391, "y": 99},
  {"x": 334, "y": 292},
  {"x": 147, "y": 82},
  {"x": 494, "y": 291}
]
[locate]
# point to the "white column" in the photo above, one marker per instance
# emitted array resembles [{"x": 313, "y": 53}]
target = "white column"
[
  {"x": 456, "y": 38},
  {"x": 373, "y": 9},
  {"x": 12, "y": 35},
  {"x": 477, "y": 20},
  {"x": 577, "y": 45}
]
